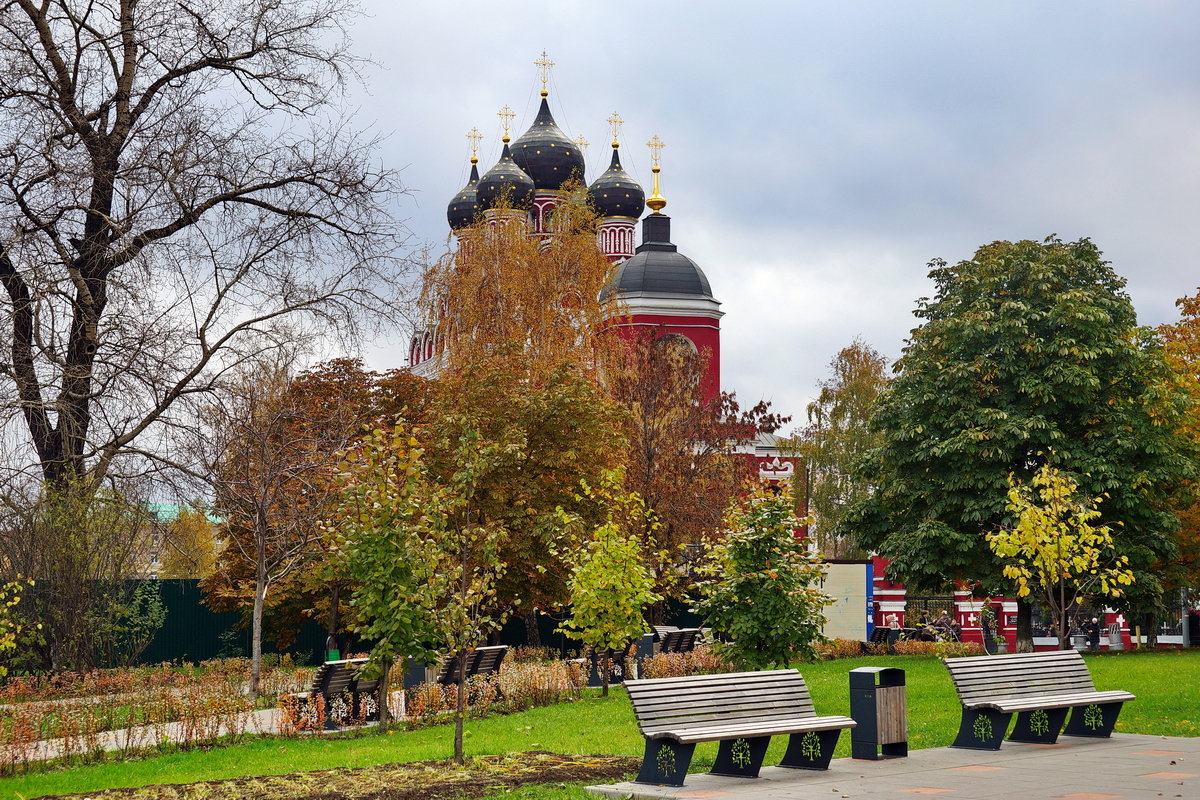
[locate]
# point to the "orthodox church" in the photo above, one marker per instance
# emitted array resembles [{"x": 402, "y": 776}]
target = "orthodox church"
[{"x": 658, "y": 286}]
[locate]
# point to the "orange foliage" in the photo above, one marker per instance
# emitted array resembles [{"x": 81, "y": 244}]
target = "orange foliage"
[
  {"x": 1182, "y": 341},
  {"x": 503, "y": 286}
]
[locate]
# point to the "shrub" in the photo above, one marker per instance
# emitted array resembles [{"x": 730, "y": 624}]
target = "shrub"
[
  {"x": 701, "y": 661},
  {"x": 840, "y": 648},
  {"x": 939, "y": 649}
]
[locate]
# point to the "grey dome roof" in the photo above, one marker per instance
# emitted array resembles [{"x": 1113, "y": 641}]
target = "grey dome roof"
[
  {"x": 464, "y": 207},
  {"x": 657, "y": 267},
  {"x": 546, "y": 154},
  {"x": 505, "y": 181},
  {"x": 615, "y": 193}
]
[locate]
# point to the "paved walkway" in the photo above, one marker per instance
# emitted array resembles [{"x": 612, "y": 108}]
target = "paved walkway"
[{"x": 1125, "y": 767}]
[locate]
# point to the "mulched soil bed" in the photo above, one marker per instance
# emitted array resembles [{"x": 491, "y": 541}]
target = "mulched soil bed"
[{"x": 422, "y": 780}]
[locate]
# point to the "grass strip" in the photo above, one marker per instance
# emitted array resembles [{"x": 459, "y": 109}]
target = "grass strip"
[{"x": 596, "y": 726}]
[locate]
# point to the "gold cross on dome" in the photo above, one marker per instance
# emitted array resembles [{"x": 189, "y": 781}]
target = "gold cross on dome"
[
  {"x": 582, "y": 142},
  {"x": 614, "y": 123},
  {"x": 544, "y": 64},
  {"x": 506, "y": 116},
  {"x": 656, "y": 145},
  {"x": 474, "y": 137}
]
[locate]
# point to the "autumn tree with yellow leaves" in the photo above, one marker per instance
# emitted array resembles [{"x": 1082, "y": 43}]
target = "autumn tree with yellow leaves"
[{"x": 1054, "y": 550}]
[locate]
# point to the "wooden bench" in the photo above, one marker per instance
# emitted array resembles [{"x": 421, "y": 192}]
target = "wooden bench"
[
  {"x": 682, "y": 640},
  {"x": 480, "y": 661},
  {"x": 337, "y": 678},
  {"x": 742, "y": 711},
  {"x": 1040, "y": 688}
]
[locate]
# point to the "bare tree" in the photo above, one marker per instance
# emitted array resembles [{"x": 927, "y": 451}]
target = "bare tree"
[{"x": 178, "y": 194}]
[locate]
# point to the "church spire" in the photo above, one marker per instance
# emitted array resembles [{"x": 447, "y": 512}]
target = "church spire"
[{"x": 656, "y": 201}]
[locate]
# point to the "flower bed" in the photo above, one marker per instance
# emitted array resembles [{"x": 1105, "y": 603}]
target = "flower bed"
[{"x": 76, "y": 711}]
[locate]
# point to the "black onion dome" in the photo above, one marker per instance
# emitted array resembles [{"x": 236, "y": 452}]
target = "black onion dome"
[
  {"x": 615, "y": 194},
  {"x": 546, "y": 154},
  {"x": 465, "y": 206},
  {"x": 506, "y": 178},
  {"x": 657, "y": 266}
]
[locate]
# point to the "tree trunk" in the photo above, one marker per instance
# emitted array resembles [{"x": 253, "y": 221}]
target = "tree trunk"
[
  {"x": 533, "y": 635},
  {"x": 385, "y": 714},
  {"x": 657, "y": 613},
  {"x": 1151, "y": 631},
  {"x": 1064, "y": 620},
  {"x": 605, "y": 666},
  {"x": 333, "y": 609},
  {"x": 1024, "y": 627},
  {"x": 460, "y": 706},
  {"x": 256, "y": 625}
]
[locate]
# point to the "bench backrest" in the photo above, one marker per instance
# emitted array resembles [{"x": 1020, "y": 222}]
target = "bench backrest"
[
  {"x": 481, "y": 660},
  {"x": 318, "y": 680},
  {"x": 673, "y": 704},
  {"x": 1019, "y": 675},
  {"x": 660, "y": 631}
]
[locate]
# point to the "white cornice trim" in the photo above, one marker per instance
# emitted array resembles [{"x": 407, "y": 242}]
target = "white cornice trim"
[{"x": 669, "y": 305}]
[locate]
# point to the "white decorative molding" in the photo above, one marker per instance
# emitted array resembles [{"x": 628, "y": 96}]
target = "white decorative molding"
[
  {"x": 668, "y": 305},
  {"x": 776, "y": 470}
]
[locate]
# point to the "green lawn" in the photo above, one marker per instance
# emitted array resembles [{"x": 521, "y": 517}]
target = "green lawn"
[{"x": 1164, "y": 683}]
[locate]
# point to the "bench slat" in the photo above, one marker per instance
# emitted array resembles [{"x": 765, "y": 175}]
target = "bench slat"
[
  {"x": 680, "y": 712},
  {"x": 1054, "y": 701},
  {"x": 776, "y": 728},
  {"x": 700, "y": 721},
  {"x": 699, "y": 692},
  {"x": 720, "y": 679},
  {"x": 767, "y": 700},
  {"x": 679, "y": 717}
]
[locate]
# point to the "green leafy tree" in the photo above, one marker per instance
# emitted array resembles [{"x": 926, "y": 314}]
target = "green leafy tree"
[
  {"x": 377, "y": 528},
  {"x": 1053, "y": 549},
  {"x": 1026, "y": 348},
  {"x": 837, "y": 436},
  {"x": 10, "y": 596},
  {"x": 610, "y": 586},
  {"x": 767, "y": 600},
  {"x": 426, "y": 571}
]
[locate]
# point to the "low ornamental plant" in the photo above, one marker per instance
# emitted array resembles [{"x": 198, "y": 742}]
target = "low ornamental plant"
[
  {"x": 518, "y": 687},
  {"x": 701, "y": 661},
  {"x": 915, "y": 647},
  {"x": 113, "y": 714}
]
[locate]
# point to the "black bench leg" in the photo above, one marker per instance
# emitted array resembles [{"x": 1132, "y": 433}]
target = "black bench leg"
[
  {"x": 741, "y": 758},
  {"x": 1040, "y": 725},
  {"x": 810, "y": 750},
  {"x": 982, "y": 729},
  {"x": 666, "y": 762},
  {"x": 1093, "y": 720}
]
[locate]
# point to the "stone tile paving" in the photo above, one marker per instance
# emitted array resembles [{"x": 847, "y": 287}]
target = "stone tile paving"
[{"x": 1125, "y": 767}]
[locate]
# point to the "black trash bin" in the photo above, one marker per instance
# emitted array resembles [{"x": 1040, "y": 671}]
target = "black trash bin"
[{"x": 878, "y": 703}]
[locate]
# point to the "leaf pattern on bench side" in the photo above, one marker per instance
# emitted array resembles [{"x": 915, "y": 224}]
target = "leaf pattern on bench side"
[
  {"x": 1039, "y": 722},
  {"x": 1093, "y": 717},
  {"x": 982, "y": 728},
  {"x": 665, "y": 760},
  {"x": 739, "y": 753},
  {"x": 810, "y": 746}
]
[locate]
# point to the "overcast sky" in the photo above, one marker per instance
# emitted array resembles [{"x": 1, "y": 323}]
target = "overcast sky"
[{"x": 820, "y": 154}]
